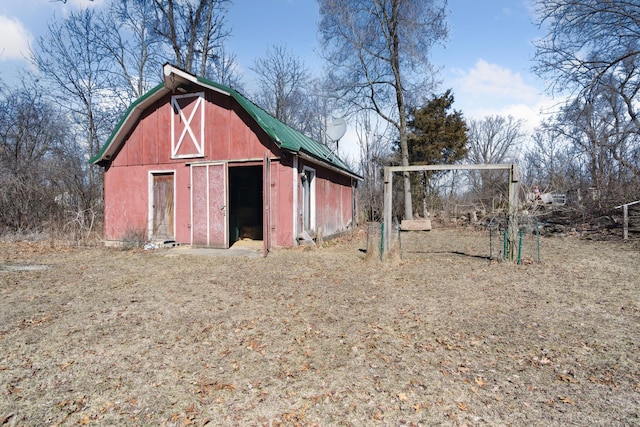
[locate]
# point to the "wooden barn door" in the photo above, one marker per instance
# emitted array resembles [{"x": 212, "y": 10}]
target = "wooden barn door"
[
  {"x": 162, "y": 206},
  {"x": 266, "y": 200},
  {"x": 209, "y": 225}
]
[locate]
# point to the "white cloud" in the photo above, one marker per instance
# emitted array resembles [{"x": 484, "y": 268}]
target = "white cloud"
[
  {"x": 14, "y": 39},
  {"x": 491, "y": 80},
  {"x": 85, "y": 3},
  {"x": 490, "y": 89}
]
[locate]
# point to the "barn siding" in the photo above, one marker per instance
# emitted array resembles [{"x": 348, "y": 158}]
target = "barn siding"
[
  {"x": 230, "y": 135},
  {"x": 333, "y": 200}
]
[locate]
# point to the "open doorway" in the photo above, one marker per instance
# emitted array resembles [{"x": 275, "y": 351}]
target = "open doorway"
[{"x": 245, "y": 203}]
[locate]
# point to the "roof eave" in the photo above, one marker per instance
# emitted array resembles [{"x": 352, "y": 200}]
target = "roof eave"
[
  {"x": 328, "y": 165},
  {"x": 127, "y": 122}
]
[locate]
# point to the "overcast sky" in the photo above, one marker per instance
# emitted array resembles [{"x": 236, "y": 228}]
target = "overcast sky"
[{"x": 486, "y": 61}]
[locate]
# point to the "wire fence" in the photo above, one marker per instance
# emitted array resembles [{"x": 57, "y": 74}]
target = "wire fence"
[{"x": 484, "y": 240}]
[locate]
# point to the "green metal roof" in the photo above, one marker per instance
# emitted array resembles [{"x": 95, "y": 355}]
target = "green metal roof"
[{"x": 283, "y": 135}]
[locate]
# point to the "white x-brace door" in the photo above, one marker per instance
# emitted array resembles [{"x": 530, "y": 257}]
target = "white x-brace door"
[{"x": 187, "y": 125}]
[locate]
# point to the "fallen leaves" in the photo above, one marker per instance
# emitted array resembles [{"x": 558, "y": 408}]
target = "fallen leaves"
[
  {"x": 462, "y": 364},
  {"x": 402, "y": 397},
  {"x": 6, "y": 418},
  {"x": 207, "y": 387},
  {"x": 34, "y": 321},
  {"x": 66, "y": 365},
  {"x": 12, "y": 389},
  {"x": 568, "y": 378},
  {"x": 565, "y": 399},
  {"x": 462, "y": 406}
]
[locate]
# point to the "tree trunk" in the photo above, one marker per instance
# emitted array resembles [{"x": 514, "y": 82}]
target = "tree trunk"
[{"x": 402, "y": 129}]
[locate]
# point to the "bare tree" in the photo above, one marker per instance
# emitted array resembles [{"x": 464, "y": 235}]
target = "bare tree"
[
  {"x": 73, "y": 61},
  {"x": 195, "y": 30},
  {"x": 33, "y": 135},
  {"x": 549, "y": 162},
  {"x": 224, "y": 69},
  {"x": 587, "y": 42},
  {"x": 132, "y": 45},
  {"x": 378, "y": 54},
  {"x": 283, "y": 82},
  {"x": 592, "y": 50},
  {"x": 494, "y": 139},
  {"x": 597, "y": 130},
  {"x": 375, "y": 153}
]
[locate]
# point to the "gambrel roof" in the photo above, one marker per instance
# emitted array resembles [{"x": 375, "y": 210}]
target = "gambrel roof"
[{"x": 283, "y": 135}]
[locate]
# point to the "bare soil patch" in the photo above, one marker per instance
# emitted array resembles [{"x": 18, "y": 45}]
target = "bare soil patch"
[{"x": 322, "y": 336}]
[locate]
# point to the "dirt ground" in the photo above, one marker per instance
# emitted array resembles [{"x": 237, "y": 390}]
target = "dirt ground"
[{"x": 325, "y": 336}]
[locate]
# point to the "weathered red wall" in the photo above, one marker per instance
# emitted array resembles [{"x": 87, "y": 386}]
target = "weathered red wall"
[
  {"x": 333, "y": 200},
  {"x": 126, "y": 193}
]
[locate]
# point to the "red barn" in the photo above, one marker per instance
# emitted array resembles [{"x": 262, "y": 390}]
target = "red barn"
[{"x": 196, "y": 162}]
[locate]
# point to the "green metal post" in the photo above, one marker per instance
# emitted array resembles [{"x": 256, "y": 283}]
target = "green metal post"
[
  {"x": 504, "y": 251},
  {"x": 520, "y": 247},
  {"x": 538, "y": 239},
  {"x": 381, "y": 241},
  {"x": 400, "y": 240}
]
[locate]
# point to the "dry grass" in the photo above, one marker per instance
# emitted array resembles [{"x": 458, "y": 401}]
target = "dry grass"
[{"x": 321, "y": 337}]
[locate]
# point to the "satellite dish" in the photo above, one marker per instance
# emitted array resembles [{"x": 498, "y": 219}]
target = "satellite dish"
[{"x": 336, "y": 128}]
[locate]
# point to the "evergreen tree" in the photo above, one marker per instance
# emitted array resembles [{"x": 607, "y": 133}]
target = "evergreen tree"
[{"x": 437, "y": 135}]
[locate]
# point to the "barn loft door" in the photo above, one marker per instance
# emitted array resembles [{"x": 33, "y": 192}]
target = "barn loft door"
[
  {"x": 162, "y": 206},
  {"x": 187, "y": 125},
  {"x": 209, "y": 225}
]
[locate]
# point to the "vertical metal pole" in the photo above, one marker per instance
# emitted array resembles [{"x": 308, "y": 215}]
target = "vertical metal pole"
[
  {"x": 381, "y": 241},
  {"x": 388, "y": 199},
  {"x": 504, "y": 240},
  {"x": 520, "y": 248},
  {"x": 514, "y": 179},
  {"x": 400, "y": 240},
  {"x": 538, "y": 239},
  {"x": 625, "y": 222}
]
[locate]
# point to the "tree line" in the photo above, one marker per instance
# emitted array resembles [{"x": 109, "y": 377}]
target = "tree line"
[
  {"x": 95, "y": 61},
  {"x": 588, "y": 149}
]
